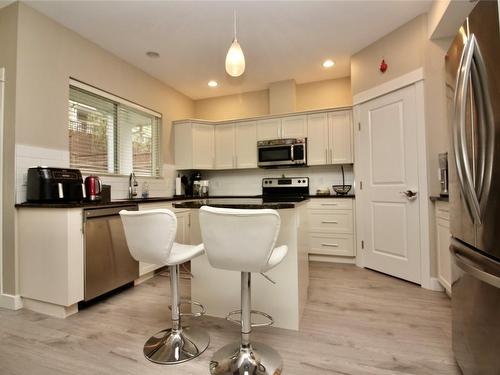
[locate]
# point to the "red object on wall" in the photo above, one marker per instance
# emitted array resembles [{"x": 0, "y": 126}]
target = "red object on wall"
[{"x": 383, "y": 66}]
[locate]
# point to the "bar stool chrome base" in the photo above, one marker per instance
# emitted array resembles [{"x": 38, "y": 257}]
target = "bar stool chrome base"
[
  {"x": 169, "y": 347},
  {"x": 257, "y": 359}
]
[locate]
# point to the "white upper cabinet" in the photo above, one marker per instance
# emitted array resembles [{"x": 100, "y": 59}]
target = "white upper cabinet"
[
  {"x": 340, "y": 137},
  {"x": 183, "y": 145},
  {"x": 203, "y": 146},
  {"x": 231, "y": 145},
  {"x": 317, "y": 139},
  {"x": 246, "y": 144},
  {"x": 329, "y": 138},
  {"x": 269, "y": 129},
  {"x": 194, "y": 145},
  {"x": 294, "y": 127},
  {"x": 224, "y": 146}
]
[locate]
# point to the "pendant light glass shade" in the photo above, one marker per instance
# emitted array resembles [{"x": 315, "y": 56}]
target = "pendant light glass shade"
[{"x": 235, "y": 60}]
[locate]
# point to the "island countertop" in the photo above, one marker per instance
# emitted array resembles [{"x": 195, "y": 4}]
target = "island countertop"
[{"x": 253, "y": 203}]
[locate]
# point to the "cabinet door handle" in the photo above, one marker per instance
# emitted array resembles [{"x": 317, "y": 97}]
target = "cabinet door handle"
[
  {"x": 330, "y": 222},
  {"x": 331, "y": 156},
  {"x": 329, "y": 204},
  {"x": 326, "y": 155},
  {"x": 236, "y": 161},
  {"x": 330, "y": 244}
]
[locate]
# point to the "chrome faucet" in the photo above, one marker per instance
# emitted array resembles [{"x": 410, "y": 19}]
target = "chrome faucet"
[{"x": 132, "y": 185}]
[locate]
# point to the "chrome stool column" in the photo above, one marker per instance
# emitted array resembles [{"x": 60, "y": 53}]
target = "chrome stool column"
[
  {"x": 243, "y": 240},
  {"x": 150, "y": 237}
]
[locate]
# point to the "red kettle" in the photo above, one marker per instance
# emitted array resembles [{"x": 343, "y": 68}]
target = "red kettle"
[{"x": 93, "y": 188}]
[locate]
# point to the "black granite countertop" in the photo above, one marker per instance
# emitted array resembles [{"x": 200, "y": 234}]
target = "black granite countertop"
[
  {"x": 120, "y": 202},
  {"x": 248, "y": 203},
  {"x": 440, "y": 198},
  {"x": 334, "y": 196}
]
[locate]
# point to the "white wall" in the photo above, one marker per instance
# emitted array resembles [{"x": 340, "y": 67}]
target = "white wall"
[{"x": 249, "y": 181}]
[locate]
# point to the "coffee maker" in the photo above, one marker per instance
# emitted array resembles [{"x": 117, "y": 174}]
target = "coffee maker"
[{"x": 443, "y": 173}]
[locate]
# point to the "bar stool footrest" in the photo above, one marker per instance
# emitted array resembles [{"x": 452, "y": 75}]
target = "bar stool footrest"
[
  {"x": 270, "y": 322},
  {"x": 202, "y": 308}
]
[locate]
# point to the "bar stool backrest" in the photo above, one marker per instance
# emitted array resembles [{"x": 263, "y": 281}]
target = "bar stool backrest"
[
  {"x": 150, "y": 234},
  {"x": 239, "y": 239}
]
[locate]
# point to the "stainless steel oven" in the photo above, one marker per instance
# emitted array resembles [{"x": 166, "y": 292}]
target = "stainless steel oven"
[{"x": 290, "y": 152}]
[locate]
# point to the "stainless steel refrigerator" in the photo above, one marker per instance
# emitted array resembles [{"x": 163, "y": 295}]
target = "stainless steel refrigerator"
[{"x": 473, "y": 80}]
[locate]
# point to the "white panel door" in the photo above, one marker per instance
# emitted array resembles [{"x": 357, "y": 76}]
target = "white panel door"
[
  {"x": 340, "y": 137},
  {"x": 294, "y": 127},
  {"x": 224, "y": 146},
  {"x": 203, "y": 146},
  {"x": 269, "y": 129},
  {"x": 387, "y": 168},
  {"x": 317, "y": 139},
  {"x": 246, "y": 144}
]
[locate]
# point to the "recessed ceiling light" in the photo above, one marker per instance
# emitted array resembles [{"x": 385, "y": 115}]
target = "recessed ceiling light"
[
  {"x": 328, "y": 63},
  {"x": 213, "y": 83},
  {"x": 152, "y": 54}
]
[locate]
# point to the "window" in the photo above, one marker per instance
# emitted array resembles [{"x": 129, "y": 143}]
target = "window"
[{"x": 112, "y": 136}]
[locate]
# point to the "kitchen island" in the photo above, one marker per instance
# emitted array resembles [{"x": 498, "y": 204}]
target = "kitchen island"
[{"x": 219, "y": 290}]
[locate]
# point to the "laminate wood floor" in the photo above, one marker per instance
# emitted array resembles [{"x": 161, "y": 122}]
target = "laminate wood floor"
[{"x": 356, "y": 322}]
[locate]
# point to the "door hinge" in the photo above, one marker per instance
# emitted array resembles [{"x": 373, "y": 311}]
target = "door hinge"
[{"x": 362, "y": 244}]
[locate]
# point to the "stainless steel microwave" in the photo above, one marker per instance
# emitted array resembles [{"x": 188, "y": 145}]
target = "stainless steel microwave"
[{"x": 275, "y": 153}]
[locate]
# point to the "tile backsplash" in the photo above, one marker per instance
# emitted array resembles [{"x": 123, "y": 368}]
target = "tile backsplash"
[
  {"x": 249, "y": 181},
  {"x": 227, "y": 182},
  {"x": 28, "y": 156}
]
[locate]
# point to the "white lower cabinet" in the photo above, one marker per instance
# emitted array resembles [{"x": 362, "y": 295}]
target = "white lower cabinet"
[
  {"x": 443, "y": 238},
  {"x": 183, "y": 229},
  {"x": 331, "y": 227}
]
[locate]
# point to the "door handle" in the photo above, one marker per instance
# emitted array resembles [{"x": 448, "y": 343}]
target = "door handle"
[{"x": 410, "y": 195}]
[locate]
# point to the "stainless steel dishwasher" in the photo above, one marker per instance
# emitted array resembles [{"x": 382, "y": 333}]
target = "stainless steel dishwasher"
[{"x": 108, "y": 263}]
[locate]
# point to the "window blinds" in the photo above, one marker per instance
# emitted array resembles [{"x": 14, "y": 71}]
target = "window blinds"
[{"x": 110, "y": 137}]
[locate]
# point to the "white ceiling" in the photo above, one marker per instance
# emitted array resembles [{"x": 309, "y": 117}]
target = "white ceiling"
[{"x": 281, "y": 39}]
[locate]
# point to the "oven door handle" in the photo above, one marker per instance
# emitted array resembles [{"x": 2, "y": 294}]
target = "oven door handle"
[{"x": 292, "y": 156}]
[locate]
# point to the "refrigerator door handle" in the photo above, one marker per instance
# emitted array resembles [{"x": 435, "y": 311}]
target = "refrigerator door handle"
[
  {"x": 471, "y": 266},
  {"x": 487, "y": 126},
  {"x": 459, "y": 104}
]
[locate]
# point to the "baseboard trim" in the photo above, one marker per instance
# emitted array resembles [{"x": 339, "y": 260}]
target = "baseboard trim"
[
  {"x": 51, "y": 309},
  {"x": 331, "y": 259},
  {"x": 434, "y": 284},
  {"x": 11, "y": 302}
]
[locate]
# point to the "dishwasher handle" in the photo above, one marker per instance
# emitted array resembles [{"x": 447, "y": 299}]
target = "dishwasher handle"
[{"x": 105, "y": 211}]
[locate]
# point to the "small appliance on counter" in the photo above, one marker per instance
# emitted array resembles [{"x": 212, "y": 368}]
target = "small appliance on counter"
[
  {"x": 93, "y": 188},
  {"x": 443, "y": 173},
  {"x": 190, "y": 183},
  {"x": 106, "y": 194},
  {"x": 50, "y": 184},
  {"x": 279, "y": 153},
  {"x": 323, "y": 191}
]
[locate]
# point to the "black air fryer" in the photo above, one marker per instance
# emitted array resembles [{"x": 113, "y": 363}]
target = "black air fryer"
[{"x": 47, "y": 184}]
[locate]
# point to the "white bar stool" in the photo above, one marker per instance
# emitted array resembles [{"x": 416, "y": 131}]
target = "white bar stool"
[
  {"x": 243, "y": 240},
  {"x": 150, "y": 238}
]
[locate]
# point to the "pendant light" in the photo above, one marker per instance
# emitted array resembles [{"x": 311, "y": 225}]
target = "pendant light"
[{"x": 235, "y": 60}]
